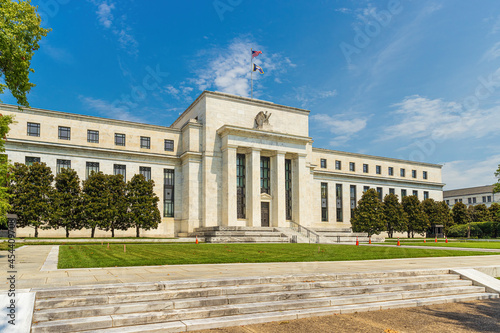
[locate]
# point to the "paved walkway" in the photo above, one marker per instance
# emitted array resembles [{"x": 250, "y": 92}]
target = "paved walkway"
[{"x": 30, "y": 260}]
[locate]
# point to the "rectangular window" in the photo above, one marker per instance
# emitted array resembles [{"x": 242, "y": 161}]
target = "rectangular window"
[
  {"x": 352, "y": 166},
  {"x": 338, "y": 165},
  {"x": 456, "y": 200},
  {"x": 424, "y": 174},
  {"x": 288, "y": 189},
  {"x": 402, "y": 172},
  {"x": 240, "y": 186},
  {"x": 378, "y": 170},
  {"x": 323, "y": 163},
  {"x": 474, "y": 200},
  {"x": 265, "y": 175},
  {"x": 92, "y": 136},
  {"x": 91, "y": 167},
  {"x": 415, "y": 193},
  {"x": 484, "y": 199},
  {"x": 324, "y": 202},
  {"x": 353, "y": 198},
  {"x": 380, "y": 193},
  {"x": 29, "y": 160},
  {"x": 426, "y": 195},
  {"x": 365, "y": 168},
  {"x": 338, "y": 194},
  {"x": 489, "y": 198},
  {"x": 413, "y": 173},
  {"x": 168, "y": 192},
  {"x": 448, "y": 202},
  {"x": 403, "y": 193},
  {"x": 146, "y": 172},
  {"x": 119, "y": 139},
  {"x": 62, "y": 164},
  {"x": 365, "y": 188},
  {"x": 145, "y": 142},
  {"x": 120, "y": 169},
  {"x": 169, "y": 145},
  {"x": 64, "y": 133},
  {"x": 391, "y": 171},
  {"x": 33, "y": 129},
  {"x": 460, "y": 200},
  {"x": 469, "y": 200},
  {"x": 392, "y": 191}
]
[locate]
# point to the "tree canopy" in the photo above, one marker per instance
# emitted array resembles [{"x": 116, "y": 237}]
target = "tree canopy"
[
  {"x": 66, "y": 201},
  {"x": 368, "y": 215},
  {"x": 5, "y": 121},
  {"x": 417, "y": 219},
  {"x": 459, "y": 213},
  {"x": 143, "y": 204},
  {"x": 394, "y": 215},
  {"x": 20, "y": 33},
  {"x": 496, "y": 189}
]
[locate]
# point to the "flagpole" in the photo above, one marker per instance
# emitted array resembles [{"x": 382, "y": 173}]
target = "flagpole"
[{"x": 251, "y": 71}]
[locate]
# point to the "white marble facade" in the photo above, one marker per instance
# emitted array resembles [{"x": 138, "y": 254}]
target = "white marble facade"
[{"x": 207, "y": 138}]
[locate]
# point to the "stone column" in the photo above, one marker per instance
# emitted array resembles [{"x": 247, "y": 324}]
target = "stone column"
[
  {"x": 229, "y": 186},
  {"x": 253, "y": 188},
  {"x": 278, "y": 218},
  {"x": 300, "y": 196}
]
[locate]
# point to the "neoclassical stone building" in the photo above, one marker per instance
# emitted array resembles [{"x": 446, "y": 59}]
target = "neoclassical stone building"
[{"x": 226, "y": 161}]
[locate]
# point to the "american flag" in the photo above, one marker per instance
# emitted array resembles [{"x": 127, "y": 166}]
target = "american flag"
[{"x": 255, "y": 53}]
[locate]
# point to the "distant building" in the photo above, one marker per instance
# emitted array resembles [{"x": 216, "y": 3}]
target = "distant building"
[{"x": 472, "y": 196}]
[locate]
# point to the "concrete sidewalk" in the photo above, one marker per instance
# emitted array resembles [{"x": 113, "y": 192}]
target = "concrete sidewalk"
[{"x": 30, "y": 259}]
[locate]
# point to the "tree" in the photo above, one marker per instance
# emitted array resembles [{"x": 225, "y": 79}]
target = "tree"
[
  {"x": 417, "y": 220},
  {"x": 5, "y": 121},
  {"x": 143, "y": 204},
  {"x": 31, "y": 192},
  {"x": 116, "y": 204},
  {"x": 444, "y": 216},
  {"x": 394, "y": 215},
  {"x": 66, "y": 201},
  {"x": 368, "y": 215},
  {"x": 95, "y": 201},
  {"x": 480, "y": 213},
  {"x": 430, "y": 208},
  {"x": 496, "y": 189},
  {"x": 459, "y": 213},
  {"x": 495, "y": 212},
  {"x": 20, "y": 33}
]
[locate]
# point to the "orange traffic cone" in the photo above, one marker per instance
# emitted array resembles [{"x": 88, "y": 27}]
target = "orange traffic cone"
[
  {"x": 369, "y": 240},
  {"x": 399, "y": 244},
  {"x": 357, "y": 241},
  {"x": 196, "y": 239},
  {"x": 425, "y": 241},
  {"x": 436, "y": 240},
  {"x": 446, "y": 240}
]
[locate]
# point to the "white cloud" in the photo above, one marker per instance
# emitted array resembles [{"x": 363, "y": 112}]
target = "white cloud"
[
  {"x": 492, "y": 53},
  {"x": 58, "y": 54},
  {"x": 343, "y": 126},
  {"x": 420, "y": 117},
  {"x": 307, "y": 95},
  {"x": 108, "y": 109},
  {"x": 470, "y": 173},
  {"x": 228, "y": 69},
  {"x": 104, "y": 14}
]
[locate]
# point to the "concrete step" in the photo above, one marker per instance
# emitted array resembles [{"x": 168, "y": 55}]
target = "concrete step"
[
  {"x": 344, "y": 234},
  {"x": 231, "y": 228},
  {"x": 342, "y": 230},
  {"x": 236, "y": 234},
  {"x": 214, "y": 317},
  {"x": 309, "y": 289},
  {"x": 204, "y": 283},
  {"x": 247, "y": 239}
]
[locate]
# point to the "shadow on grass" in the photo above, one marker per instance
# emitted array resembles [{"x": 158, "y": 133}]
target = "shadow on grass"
[{"x": 481, "y": 316}]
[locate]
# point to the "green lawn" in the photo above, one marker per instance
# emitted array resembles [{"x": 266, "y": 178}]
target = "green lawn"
[
  {"x": 441, "y": 243},
  {"x": 84, "y": 256}
]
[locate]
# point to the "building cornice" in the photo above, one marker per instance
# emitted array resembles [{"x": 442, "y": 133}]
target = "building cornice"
[
  {"x": 338, "y": 152},
  {"x": 250, "y": 132},
  {"x": 80, "y": 117}
]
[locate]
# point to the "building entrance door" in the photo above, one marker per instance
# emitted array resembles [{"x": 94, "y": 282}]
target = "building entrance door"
[{"x": 264, "y": 214}]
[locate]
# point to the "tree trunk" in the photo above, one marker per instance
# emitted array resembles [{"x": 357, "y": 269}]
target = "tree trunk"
[
  {"x": 112, "y": 232},
  {"x": 36, "y": 231},
  {"x": 408, "y": 234},
  {"x": 137, "y": 231},
  {"x": 92, "y": 232},
  {"x": 67, "y": 232}
]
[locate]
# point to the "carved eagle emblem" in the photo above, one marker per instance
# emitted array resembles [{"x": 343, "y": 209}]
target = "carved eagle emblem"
[{"x": 262, "y": 118}]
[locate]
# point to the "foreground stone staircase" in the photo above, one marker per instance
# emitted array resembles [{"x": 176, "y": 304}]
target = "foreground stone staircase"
[
  {"x": 177, "y": 306},
  {"x": 346, "y": 236},
  {"x": 221, "y": 234}
]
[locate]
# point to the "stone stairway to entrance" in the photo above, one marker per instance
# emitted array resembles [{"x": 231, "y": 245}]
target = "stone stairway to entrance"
[
  {"x": 178, "y": 306},
  {"x": 346, "y": 236},
  {"x": 220, "y": 234}
]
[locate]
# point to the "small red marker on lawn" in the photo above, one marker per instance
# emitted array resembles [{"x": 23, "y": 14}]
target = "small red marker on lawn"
[
  {"x": 436, "y": 240},
  {"x": 369, "y": 240},
  {"x": 399, "y": 244},
  {"x": 357, "y": 241},
  {"x": 446, "y": 241},
  {"x": 196, "y": 239},
  {"x": 425, "y": 240}
]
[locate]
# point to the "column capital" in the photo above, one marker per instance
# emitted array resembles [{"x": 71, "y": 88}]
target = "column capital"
[
  {"x": 249, "y": 150},
  {"x": 229, "y": 147}
]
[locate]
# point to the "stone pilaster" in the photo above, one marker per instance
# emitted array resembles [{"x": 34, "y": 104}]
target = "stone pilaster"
[
  {"x": 253, "y": 188},
  {"x": 300, "y": 196},
  {"x": 278, "y": 190},
  {"x": 229, "y": 186}
]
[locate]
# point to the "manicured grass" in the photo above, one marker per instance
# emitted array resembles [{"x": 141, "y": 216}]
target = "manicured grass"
[
  {"x": 83, "y": 256},
  {"x": 441, "y": 243}
]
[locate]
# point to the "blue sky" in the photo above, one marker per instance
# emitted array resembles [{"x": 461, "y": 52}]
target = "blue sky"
[{"x": 416, "y": 80}]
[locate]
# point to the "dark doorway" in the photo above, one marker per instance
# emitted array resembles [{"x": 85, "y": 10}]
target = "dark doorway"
[{"x": 264, "y": 214}]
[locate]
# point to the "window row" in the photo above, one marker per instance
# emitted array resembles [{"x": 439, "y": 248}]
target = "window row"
[
  {"x": 64, "y": 133},
  {"x": 473, "y": 200},
  {"x": 378, "y": 169},
  {"x": 353, "y": 198}
]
